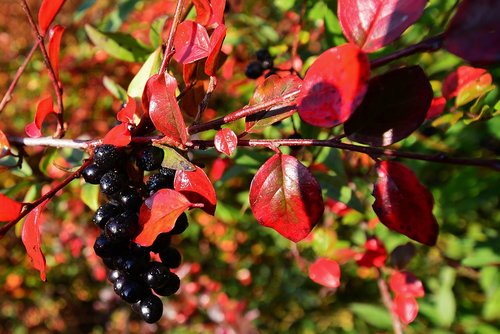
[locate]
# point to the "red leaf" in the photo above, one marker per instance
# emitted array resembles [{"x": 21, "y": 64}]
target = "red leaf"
[
  {"x": 337, "y": 207},
  {"x": 219, "y": 166},
  {"x": 127, "y": 113},
  {"x": 394, "y": 106},
  {"x": 286, "y": 197},
  {"x": 216, "y": 40},
  {"x": 10, "y": 208},
  {"x": 218, "y": 7},
  {"x": 4, "y": 145},
  {"x": 406, "y": 308},
  {"x": 203, "y": 11},
  {"x": 328, "y": 97},
  {"x": 160, "y": 102},
  {"x": 197, "y": 188},
  {"x": 436, "y": 108},
  {"x": 43, "y": 109},
  {"x": 374, "y": 255},
  {"x": 463, "y": 77},
  {"x": 474, "y": 31},
  {"x": 226, "y": 141},
  {"x": 191, "y": 42},
  {"x": 403, "y": 204},
  {"x": 31, "y": 239},
  {"x": 118, "y": 136},
  {"x": 47, "y": 13},
  {"x": 272, "y": 87},
  {"x": 158, "y": 214},
  {"x": 55, "y": 35},
  {"x": 325, "y": 272},
  {"x": 372, "y": 24},
  {"x": 406, "y": 284}
]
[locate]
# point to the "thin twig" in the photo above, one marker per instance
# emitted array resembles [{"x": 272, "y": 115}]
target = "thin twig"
[
  {"x": 387, "y": 301},
  {"x": 8, "y": 94},
  {"x": 55, "y": 82},
  {"x": 170, "y": 41},
  {"x": 31, "y": 206},
  {"x": 204, "y": 103}
]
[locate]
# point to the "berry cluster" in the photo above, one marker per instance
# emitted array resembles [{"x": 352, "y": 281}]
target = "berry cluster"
[
  {"x": 264, "y": 62},
  {"x": 134, "y": 276}
]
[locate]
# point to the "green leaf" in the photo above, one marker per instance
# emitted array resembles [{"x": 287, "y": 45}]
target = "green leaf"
[
  {"x": 174, "y": 160},
  {"x": 155, "y": 31},
  {"x": 482, "y": 257},
  {"x": 47, "y": 160},
  {"x": 119, "y": 45},
  {"x": 115, "y": 89},
  {"x": 150, "y": 67},
  {"x": 90, "y": 196},
  {"x": 373, "y": 315}
]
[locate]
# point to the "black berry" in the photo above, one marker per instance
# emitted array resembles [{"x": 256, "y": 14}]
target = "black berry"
[
  {"x": 106, "y": 156},
  {"x": 118, "y": 284},
  {"x": 104, "y": 213},
  {"x": 151, "y": 309},
  {"x": 254, "y": 70},
  {"x": 161, "y": 242},
  {"x": 171, "y": 286},
  {"x": 111, "y": 182},
  {"x": 129, "y": 199},
  {"x": 133, "y": 265},
  {"x": 171, "y": 257},
  {"x": 114, "y": 275},
  {"x": 133, "y": 291},
  {"x": 265, "y": 58},
  {"x": 156, "y": 275},
  {"x": 168, "y": 172},
  {"x": 149, "y": 158},
  {"x": 104, "y": 247},
  {"x": 122, "y": 227},
  {"x": 157, "y": 182},
  {"x": 92, "y": 174},
  {"x": 181, "y": 224}
]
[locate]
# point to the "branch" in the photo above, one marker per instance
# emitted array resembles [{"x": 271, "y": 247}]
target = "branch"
[
  {"x": 170, "y": 41},
  {"x": 8, "y": 94},
  {"x": 386, "y": 299},
  {"x": 55, "y": 82},
  {"x": 31, "y": 206},
  {"x": 204, "y": 103},
  {"x": 51, "y": 142}
]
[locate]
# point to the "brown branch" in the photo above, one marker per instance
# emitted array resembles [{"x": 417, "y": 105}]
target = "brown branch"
[
  {"x": 55, "y": 82},
  {"x": 204, "y": 103},
  {"x": 31, "y": 206},
  {"x": 387, "y": 301},
  {"x": 170, "y": 41},
  {"x": 8, "y": 94}
]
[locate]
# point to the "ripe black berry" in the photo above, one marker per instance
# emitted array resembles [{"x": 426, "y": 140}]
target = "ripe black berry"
[
  {"x": 129, "y": 199},
  {"x": 151, "y": 309},
  {"x": 181, "y": 224},
  {"x": 167, "y": 172},
  {"x": 133, "y": 264},
  {"x": 104, "y": 213},
  {"x": 92, "y": 174},
  {"x": 171, "y": 257},
  {"x": 254, "y": 70},
  {"x": 157, "y": 182},
  {"x": 171, "y": 286},
  {"x": 119, "y": 283},
  {"x": 156, "y": 275},
  {"x": 106, "y": 156},
  {"x": 161, "y": 242},
  {"x": 122, "y": 227},
  {"x": 104, "y": 247},
  {"x": 111, "y": 182},
  {"x": 265, "y": 58},
  {"x": 133, "y": 291},
  {"x": 149, "y": 158},
  {"x": 114, "y": 275}
]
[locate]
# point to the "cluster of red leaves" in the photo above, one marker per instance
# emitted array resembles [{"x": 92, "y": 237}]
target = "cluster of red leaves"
[{"x": 406, "y": 287}]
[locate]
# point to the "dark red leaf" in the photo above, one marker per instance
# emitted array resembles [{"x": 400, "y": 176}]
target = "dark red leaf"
[
  {"x": 436, "y": 108},
  {"x": 225, "y": 141},
  {"x": 216, "y": 40},
  {"x": 334, "y": 86},
  {"x": 325, "y": 272},
  {"x": 474, "y": 31},
  {"x": 191, "y": 42},
  {"x": 463, "y": 77},
  {"x": 218, "y": 7},
  {"x": 272, "y": 87},
  {"x": 47, "y": 13},
  {"x": 403, "y": 204},
  {"x": 406, "y": 308},
  {"x": 43, "y": 109},
  {"x": 374, "y": 255},
  {"x": 394, "y": 106},
  {"x": 197, "y": 188},
  {"x": 118, "y": 136},
  {"x": 160, "y": 102},
  {"x": 10, "y": 208},
  {"x": 406, "y": 284},
  {"x": 372, "y": 24},
  {"x": 286, "y": 197},
  {"x": 203, "y": 11},
  {"x": 55, "y": 35},
  {"x": 402, "y": 255},
  {"x": 4, "y": 145},
  {"x": 127, "y": 112},
  {"x": 31, "y": 239},
  {"x": 158, "y": 214}
]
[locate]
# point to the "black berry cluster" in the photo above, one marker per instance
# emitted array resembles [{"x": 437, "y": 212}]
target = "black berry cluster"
[
  {"x": 136, "y": 278},
  {"x": 257, "y": 67}
]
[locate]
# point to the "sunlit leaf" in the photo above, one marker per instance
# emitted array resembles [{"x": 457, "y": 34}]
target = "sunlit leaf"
[
  {"x": 55, "y": 35},
  {"x": 216, "y": 40},
  {"x": 4, "y": 145},
  {"x": 44, "y": 108},
  {"x": 225, "y": 141},
  {"x": 196, "y": 186},
  {"x": 10, "y": 208},
  {"x": 148, "y": 69},
  {"x": 325, "y": 272},
  {"x": 191, "y": 42},
  {"x": 118, "y": 136},
  {"x": 47, "y": 12},
  {"x": 32, "y": 241},
  {"x": 406, "y": 308}
]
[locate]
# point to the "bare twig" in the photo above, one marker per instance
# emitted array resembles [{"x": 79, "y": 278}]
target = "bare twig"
[
  {"x": 170, "y": 41},
  {"x": 204, "y": 103},
  {"x": 387, "y": 301}
]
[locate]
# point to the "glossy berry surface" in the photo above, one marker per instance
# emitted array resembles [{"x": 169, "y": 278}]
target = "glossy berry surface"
[
  {"x": 168, "y": 172},
  {"x": 129, "y": 199},
  {"x": 133, "y": 264},
  {"x": 92, "y": 174},
  {"x": 171, "y": 257},
  {"x": 157, "y": 182},
  {"x": 111, "y": 182},
  {"x": 161, "y": 242},
  {"x": 254, "y": 70},
  {"x": 265, "y": 58},
  {"x": 156, "y": 275},
  {"x": 104, "y": 213},
  {"x": 121, "y": 227},
  {"x": 171, "y": 286},
  {"x": 149, "y": 158},
  {"x": 104, "y": 247},
  {"x": 151, "y": 309},
  {"x": 181, "y": 224},
  {"x": 106, "y": 156},
  {"x": 114, "y": 275},
  {"x": 133, "y": 291}
]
